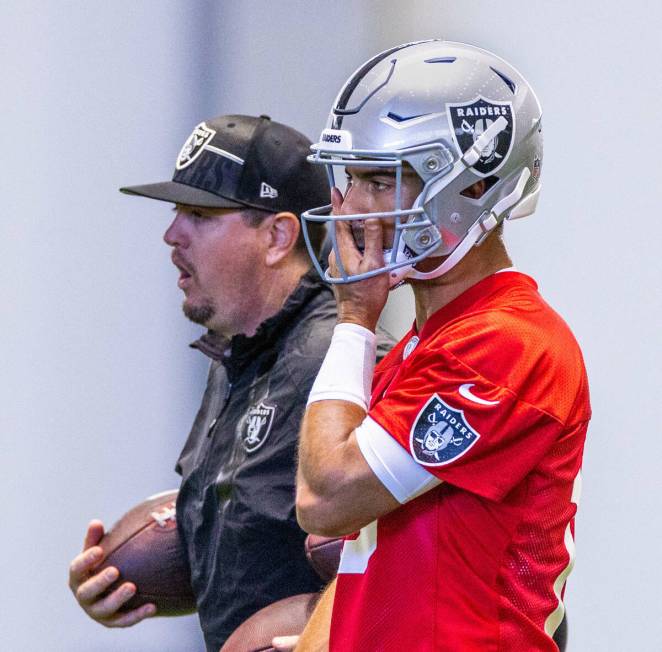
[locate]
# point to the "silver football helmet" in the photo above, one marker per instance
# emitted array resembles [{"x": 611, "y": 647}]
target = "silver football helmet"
[{"x": 456, "y": 114}]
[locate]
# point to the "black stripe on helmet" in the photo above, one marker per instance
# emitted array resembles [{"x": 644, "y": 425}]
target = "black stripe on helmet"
[{"x": 354, "y": 81}]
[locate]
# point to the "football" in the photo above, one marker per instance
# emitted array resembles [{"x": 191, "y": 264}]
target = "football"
[
  {"x": 323, "y": 553},
  {"x": 145, "y": 547},
  {"x": 286, "y": 617}
]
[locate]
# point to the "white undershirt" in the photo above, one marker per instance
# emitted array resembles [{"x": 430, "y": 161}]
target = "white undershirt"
[{"x": 392, "y": 464}]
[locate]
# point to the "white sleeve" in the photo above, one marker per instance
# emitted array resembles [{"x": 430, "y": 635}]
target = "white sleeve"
[
  {"x": 396, "y": 469},
  {"x": 346, "y": 371}
]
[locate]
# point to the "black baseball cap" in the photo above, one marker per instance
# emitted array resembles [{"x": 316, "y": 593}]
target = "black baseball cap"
[{"x": 235, "y": 161}]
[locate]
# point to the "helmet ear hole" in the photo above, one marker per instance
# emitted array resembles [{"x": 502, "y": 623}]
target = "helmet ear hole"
[{"x": 479, "y": 188}]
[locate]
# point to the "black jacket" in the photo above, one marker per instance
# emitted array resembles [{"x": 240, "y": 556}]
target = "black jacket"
[{"x": 235, "y": 508}]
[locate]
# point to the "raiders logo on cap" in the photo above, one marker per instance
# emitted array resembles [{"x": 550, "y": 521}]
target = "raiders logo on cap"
[
  {"x": 469, "y": 120},
  {"x": 193, "y": 147}
]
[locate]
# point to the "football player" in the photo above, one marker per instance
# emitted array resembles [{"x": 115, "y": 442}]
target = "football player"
[{"x": 453, "y": 468}]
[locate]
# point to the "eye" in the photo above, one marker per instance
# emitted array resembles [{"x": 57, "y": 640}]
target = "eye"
[{"x": 379, "y": 186}]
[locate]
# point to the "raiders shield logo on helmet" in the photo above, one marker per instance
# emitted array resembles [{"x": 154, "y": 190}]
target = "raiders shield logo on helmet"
[
  {"x": 193, "y": 147},
  {"x": 440, "y": 434},
  {"x": 257, "y": 426},
  {"x": 470, "y": 119}
]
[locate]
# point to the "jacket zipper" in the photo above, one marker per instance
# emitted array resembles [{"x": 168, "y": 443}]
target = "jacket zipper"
[{"x": 226, "y": 400}]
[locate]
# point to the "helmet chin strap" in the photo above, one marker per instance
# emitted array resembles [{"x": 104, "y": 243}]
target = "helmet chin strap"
[
  {"x": 481, "y": 228},
  {"x": 397, "y": 276}
]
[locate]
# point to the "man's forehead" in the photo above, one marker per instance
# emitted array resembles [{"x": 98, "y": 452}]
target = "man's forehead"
[{"x": 204, "y": 210}]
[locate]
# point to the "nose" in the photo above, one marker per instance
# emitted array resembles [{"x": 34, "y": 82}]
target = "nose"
[
  {"x": 176, "y": 234},
  {"x": 359, "y": 199},
  {"x": 351, "y": 202}
]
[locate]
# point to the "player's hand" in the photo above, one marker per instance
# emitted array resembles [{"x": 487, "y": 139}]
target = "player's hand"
[
  {"x": 285, "y": 643},
  {"x": 360, "y": 302},
  {"x": 89, "y": 587}
]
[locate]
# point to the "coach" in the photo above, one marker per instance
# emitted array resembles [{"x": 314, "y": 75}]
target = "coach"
[{"x": 239, "y": 184}]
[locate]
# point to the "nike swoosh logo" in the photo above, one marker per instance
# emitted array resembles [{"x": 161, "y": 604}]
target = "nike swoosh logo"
[{"x": 465, "y": 391}]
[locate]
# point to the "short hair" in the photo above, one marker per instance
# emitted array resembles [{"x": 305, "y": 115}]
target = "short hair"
[{"x": 253, "y": 217}]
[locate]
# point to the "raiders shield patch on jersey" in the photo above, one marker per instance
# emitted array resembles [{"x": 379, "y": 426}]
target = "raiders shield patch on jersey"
[
  {"x": 192, "y": 148},
  {"x": 257, "y": 426},
  {"x": 469, "y": 120},
  {"x": 440, "y": 434}
]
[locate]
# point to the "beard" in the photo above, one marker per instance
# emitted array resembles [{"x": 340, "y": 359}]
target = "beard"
[{"x": 201, "y": 314}]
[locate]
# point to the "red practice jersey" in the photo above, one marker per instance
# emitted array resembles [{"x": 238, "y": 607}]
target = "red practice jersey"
[{"x": 477, "y": 426}]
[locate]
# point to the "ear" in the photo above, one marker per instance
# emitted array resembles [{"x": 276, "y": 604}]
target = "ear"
[{"x": 283, "y": 235}]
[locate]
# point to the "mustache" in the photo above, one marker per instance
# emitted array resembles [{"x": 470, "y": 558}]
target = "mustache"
[{"x": 181, "y": 263}]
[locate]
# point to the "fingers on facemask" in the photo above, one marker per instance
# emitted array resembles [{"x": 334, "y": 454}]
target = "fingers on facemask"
[
  {"x": 374, "y": 241},
  {"x": 336, "y": 201}
]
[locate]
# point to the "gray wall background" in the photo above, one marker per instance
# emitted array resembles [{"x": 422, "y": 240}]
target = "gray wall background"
[{"x": 99, "y": 387}]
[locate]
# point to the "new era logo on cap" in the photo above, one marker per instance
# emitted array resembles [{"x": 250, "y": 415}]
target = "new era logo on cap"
[{"x": 267, "y": 191}]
